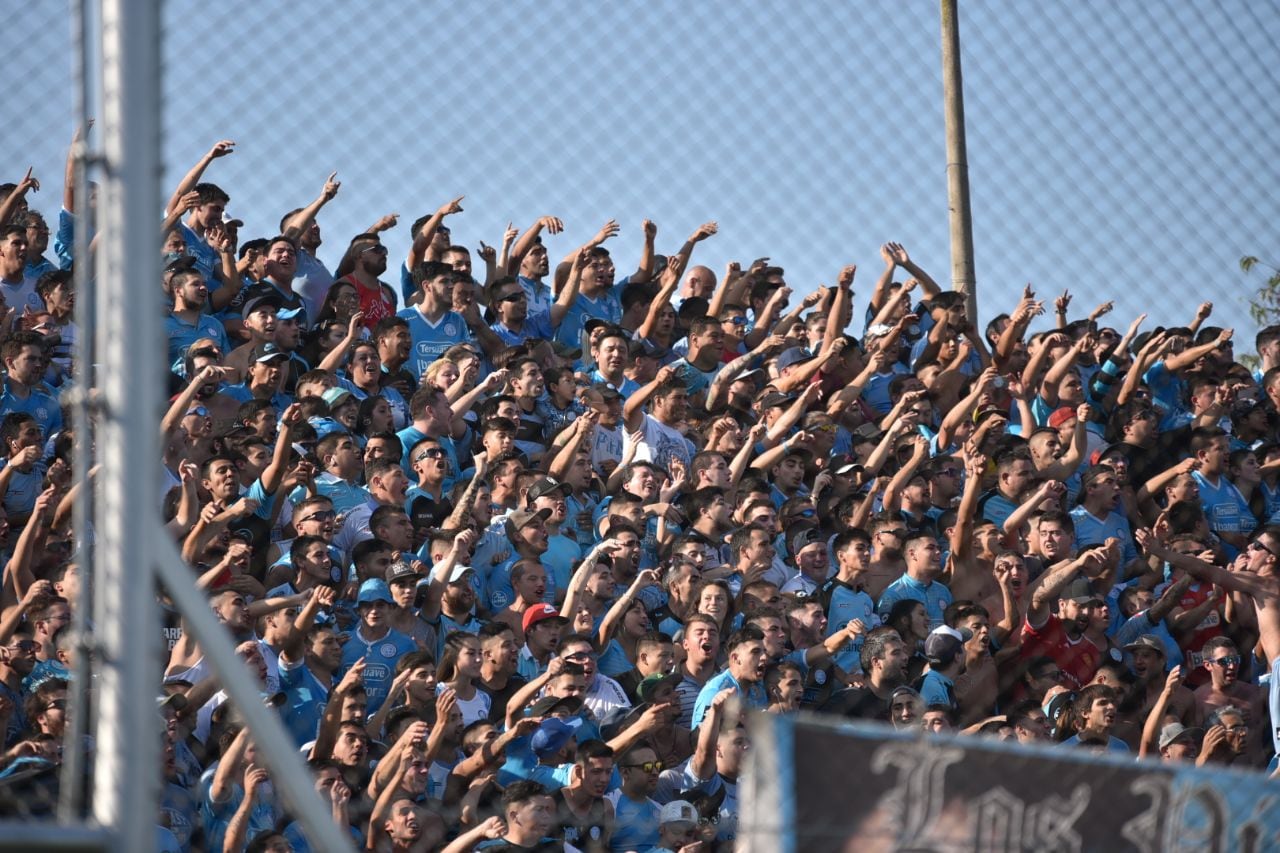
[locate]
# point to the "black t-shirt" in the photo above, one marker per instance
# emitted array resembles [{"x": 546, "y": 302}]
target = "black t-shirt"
[
  {"x": 501, "y": 845},
  {"x": 857, "y": 702},
  {"x": 586, "y": 833},
  {"x": 500, "y": 698}
]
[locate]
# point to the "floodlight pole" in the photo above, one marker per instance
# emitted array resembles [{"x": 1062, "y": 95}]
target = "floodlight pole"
[
  {"x": 962, "y": 277},
  {"x": 127, "y": 772}
]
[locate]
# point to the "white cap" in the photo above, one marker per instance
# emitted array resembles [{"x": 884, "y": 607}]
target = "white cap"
[{"x": 678, "y": 811}]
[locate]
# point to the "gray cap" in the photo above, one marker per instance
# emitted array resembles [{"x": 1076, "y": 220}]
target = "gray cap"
[{"x": 1177, "y": 731}]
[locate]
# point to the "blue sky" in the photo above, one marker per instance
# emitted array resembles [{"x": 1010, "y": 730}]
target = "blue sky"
[{"x": 1120, "y": 149}]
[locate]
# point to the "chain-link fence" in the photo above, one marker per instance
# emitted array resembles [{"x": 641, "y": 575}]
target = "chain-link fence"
[{"x": 1121, "y": 151}]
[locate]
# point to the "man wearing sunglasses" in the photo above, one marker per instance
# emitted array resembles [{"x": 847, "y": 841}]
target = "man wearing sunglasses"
[
  {"x": 17, "y": 659},
  {"x": 1225, "y": 689},
  {"x": 636, "y": 814}
]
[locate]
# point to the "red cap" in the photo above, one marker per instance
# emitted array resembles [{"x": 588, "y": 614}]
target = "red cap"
[
  {"x": 539, "y": 612},
  {"x": 1061, "y": 416}
]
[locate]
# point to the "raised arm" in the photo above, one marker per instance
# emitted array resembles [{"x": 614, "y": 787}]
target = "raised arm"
[
  {"x": 633, "y": 408},
  {"x": 569, "y": 293},
  {"x": 1052, "y": 584},
  {"x": 301, "y": 221},
  {"x": 527, "y": 239},
  {"x": 928, "y": 286},
  {"x": 702, "y": 232},
  {"x": 11, "y": 202},
  {"x": 1191, "y": 355},
  {"x": 1150, "y": 742},
  {"x": 719, "y": 296},
  {"x": 191, "y": 178},
  {"x": 668, "y": 282},
  {"x": 69, "y": 173},
  {"x": 645, "y": 269},
  {"x": 613, "y": 618},
  {"x": 422, "y": 240}
]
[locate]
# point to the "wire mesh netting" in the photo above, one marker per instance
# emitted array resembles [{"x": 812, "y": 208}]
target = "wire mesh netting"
[{"x": 1122, "y": 152}]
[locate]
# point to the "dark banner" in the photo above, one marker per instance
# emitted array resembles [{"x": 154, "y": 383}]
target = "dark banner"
[{"x": 858, "y": 787}]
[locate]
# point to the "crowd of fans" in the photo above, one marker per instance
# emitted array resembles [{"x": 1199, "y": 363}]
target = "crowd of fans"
[{"x": 515, "y": 562}]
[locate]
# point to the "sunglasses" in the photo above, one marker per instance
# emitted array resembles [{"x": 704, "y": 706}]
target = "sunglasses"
[
  {"x": 899, "y": 532},
  {"x": 198, "y": 411},
  {"x": 1256, "y": 545},
  {"x": 735, "y": 321},
  {"x": 323, "y": 515},
  {"x": 58, "y": 704},
  {"x": 512, "y": 297},
  {"x": 381, "y": 250},
  {"x": 433, "y": 453},
  {"x": 1224, "y": 662},
  {"x": 647, "y": 767}
]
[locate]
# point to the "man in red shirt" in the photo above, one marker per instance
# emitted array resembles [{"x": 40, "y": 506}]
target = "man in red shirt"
[{"x": 1061, "y": 636}]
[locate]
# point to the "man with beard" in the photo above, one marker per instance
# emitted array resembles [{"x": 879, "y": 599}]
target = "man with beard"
[
  {"x": 661, "y": 441},
  {"x": 188, "y": 322},
  {"x": 584, "y": 818},
  {"x": 449, "y": 605},
  {"x": 884, "y": 665},
  {"x": 1014, "y": 473},
  {"x": 433, "y": 326},
  {"x": 636, "y": 823},
  {"x": 517, "y": 322},
  {"x": 1061, "y": 636},
  {"x": 266, "y": 363},
  {"x": 364, "y": 261},
  {"x": 25, "y": 360},
  {"x": 745, "y": 673},
  {"x": 1148, "y": 665}
]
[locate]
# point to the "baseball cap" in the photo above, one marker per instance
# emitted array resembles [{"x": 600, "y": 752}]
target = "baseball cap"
[
  {"x": 1061, "y": 416},
  {"x": 792, "y": 357},
  {"x": 650, "y": 684},
  {"x": 548, "y": 704},
  {"x": 1080, "y": 592},
  {"x": 775, "y": 399},
  {"x": 944, "y": 643},
  {"x": 548, "y": 486},
  {"x": 458, "y": 573},
  {"x": 678, "y": 811},
  {"x": 535, "y": 614},
  {"x": 522, "y": 518},
  {"x": 1147, "y": 641},
  {"x": 268, "y": 352},
  {"x": 566, "y": 351},
  {"x": 335, "y": 396},
  {"x": 401, "y": 569},
  {"x": 803, "y": 538},
  {"x": 374, "y": 589},
  {"x": 606, "y": 390},
  {"x": 552, "y": 734},
  {"x": 593, "y": 324},
  {"x": 228, "y": 219},
  {"x": 266, "y": 300},
  {"x": 290, "y": 313},
  {"x": 1175, "y": 732},
  {"x": 844, "y": 463},
  {"x": 869, "y": 431}
]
